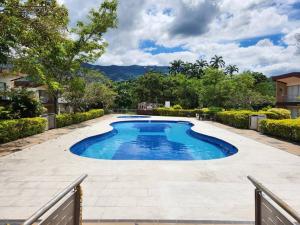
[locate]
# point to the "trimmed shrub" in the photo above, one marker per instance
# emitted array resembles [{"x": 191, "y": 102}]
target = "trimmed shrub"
[
  {"x": 210, "y": 112},
  {"x": 67, "y": 119},
  {"x": 278, "y": 113},
  {"x": 174, "y": 112},
  {"x": 11, "y": 130},
  {"x": 238, "y": 119},
  {"x": 287, "y": 129},
  {"x": 177, "y": 107}
]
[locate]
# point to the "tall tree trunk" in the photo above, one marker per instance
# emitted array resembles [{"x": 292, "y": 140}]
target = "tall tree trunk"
[{"x": 55, "y": 103}]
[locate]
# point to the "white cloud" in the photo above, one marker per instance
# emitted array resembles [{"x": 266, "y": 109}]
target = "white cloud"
[{"x": 219, "y": 34}]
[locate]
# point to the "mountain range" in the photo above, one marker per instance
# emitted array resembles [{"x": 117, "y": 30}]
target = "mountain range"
[{"x": 120, "y": 73}]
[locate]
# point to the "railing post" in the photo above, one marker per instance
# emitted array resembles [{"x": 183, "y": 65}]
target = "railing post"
[
  {"x": 257, "y": 206},
  {"x": 77, "y": 209}
]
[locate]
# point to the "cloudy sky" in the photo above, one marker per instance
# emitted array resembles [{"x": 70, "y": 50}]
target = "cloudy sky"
[{"x": 252, "y": 34}]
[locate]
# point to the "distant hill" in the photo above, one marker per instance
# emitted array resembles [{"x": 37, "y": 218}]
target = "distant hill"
[{"x": 119, "y": 73}]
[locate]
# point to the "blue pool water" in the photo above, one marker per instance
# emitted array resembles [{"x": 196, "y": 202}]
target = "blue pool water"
[
  {"x": 153, "y": 140},
  {"x": 132, "y": 117}
]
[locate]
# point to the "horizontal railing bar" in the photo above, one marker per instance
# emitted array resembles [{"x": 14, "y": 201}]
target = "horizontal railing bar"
[
  {"x": 277, "y": 200},
  {"x": 53, "y": 201}
]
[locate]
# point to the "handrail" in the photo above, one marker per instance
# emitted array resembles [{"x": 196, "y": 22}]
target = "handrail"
[
  {"x": 53, "y": 201},
  {"x": 277, "y": 200}
]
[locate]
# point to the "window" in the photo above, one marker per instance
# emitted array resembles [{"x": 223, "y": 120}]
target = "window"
[
  {"x": 2, "y": 86},
  {"x": 293, "y": 93}
]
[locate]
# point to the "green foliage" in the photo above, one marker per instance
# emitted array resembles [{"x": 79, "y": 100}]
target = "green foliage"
[
  {"x": 59, "y": 51},
  {"x": 277, "y": 113},
  {"x": 5, "y": 114},
  {"x": 238, "y": 119},
  {"x": 177, "y": 107},
  {"x": 11, "y": 130},
  {"x": 98, "y": 95},
  {"x": 287, "y": 129},
  {"x": 210, "y": 112},
  {"x": 23, "y": 104},
  {"x": 125, "y": 98},
  {"x": 217, "y": 62},
  {"x": 66, "y": 119},
  {"x": 174, "y": 112}
]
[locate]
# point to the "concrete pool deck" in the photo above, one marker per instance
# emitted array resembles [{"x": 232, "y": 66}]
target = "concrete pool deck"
[{"x": 154, "y": 190}]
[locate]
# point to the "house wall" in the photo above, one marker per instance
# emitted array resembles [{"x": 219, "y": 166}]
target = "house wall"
[{"x": 281, "y": 91}]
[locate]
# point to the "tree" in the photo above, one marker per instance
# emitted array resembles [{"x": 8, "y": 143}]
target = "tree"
[
  {"x": 177, "y": 66},
  {"x": 201, "y": 65},
  {"x": 125, "y": 98},
  {"x": 58, "y": 61},
  {"x": 217, "y": 62},
  {"x": 258, "y": 77},
  {"x": 190, "y": 70},
  {"x": 149, "y": 88},
  {"x": 28, "y": 26},
  {"x": 74, "y": 93},
  {"x": 231, "y": 69},
  {"x": 99, "y": 96},
  {"x": 216, "y": 88}
]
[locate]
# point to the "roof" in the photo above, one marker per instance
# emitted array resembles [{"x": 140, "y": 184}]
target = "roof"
[{"x": 287, "y": 75}]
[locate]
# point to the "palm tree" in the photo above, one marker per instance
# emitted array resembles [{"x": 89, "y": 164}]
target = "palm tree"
[
  {"x": 177, "y": 66},
  {"x": 200, "y": 66},
  {"x": 202, "y": 63},
  {"x": 217, "y": 62},
  {"x": 190, "y": 70},
  {"x": 230, "y": 69}
]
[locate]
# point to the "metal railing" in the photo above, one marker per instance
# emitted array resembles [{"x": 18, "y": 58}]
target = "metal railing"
[
  {"x": 68, "y": 212},
  {"x": 265, "y": 212}
]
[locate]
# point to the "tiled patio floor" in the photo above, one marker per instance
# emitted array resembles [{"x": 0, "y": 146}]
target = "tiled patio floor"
[
  {"x": 148, "y": 190},
  {"x": 27, "y": 142},
  {"x": 290, "y": 147}
]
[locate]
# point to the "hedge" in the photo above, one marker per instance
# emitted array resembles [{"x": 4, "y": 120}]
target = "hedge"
[
  {"x": 11, "y": 130},
  {"x": 67, "y": 119},
  {"x": 239, "y": 119},
  {"x": 211, "y": 112},
  {"x": 277, "y": 113},
  {"x": 287, "y": 129},
  {"x": 174, "y": 112}
]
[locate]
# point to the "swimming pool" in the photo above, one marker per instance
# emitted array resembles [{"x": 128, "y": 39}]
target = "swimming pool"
[
  {"x": 153, "y": 140},
  {"x": 132, "y": 117}
]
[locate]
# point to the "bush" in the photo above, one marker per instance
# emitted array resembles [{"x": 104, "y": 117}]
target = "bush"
[
  {"x": 177, "y": 107},
  {"x": 174, "y": 112},
  {"x": 239, "y": 119},
  {"x": 278, "y": 113},
  {"x": 210, "y": 112},
  {"x": 11, "y": 130},
  {"x": 5, "y": 114},
  {"x": 67, "y": 119},
  {"x": 23, "y": 104},
  {"x": 287, "y": 129}
]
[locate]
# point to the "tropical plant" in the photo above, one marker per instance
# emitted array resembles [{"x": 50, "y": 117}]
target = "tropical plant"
[
  {"x": 231, "y": 69},
  {"x": 177, "y": 66},
  {"x": 23, "y": 104},
  {"x": 217, "y": 62}
]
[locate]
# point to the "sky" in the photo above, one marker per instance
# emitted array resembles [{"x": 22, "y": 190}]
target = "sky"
[{"x": 258, "y": 35}]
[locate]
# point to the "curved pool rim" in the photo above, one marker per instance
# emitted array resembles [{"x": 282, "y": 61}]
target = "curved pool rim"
[
  {"x": 133, "y": 117},
  {"x": 204, "y": 137}
]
